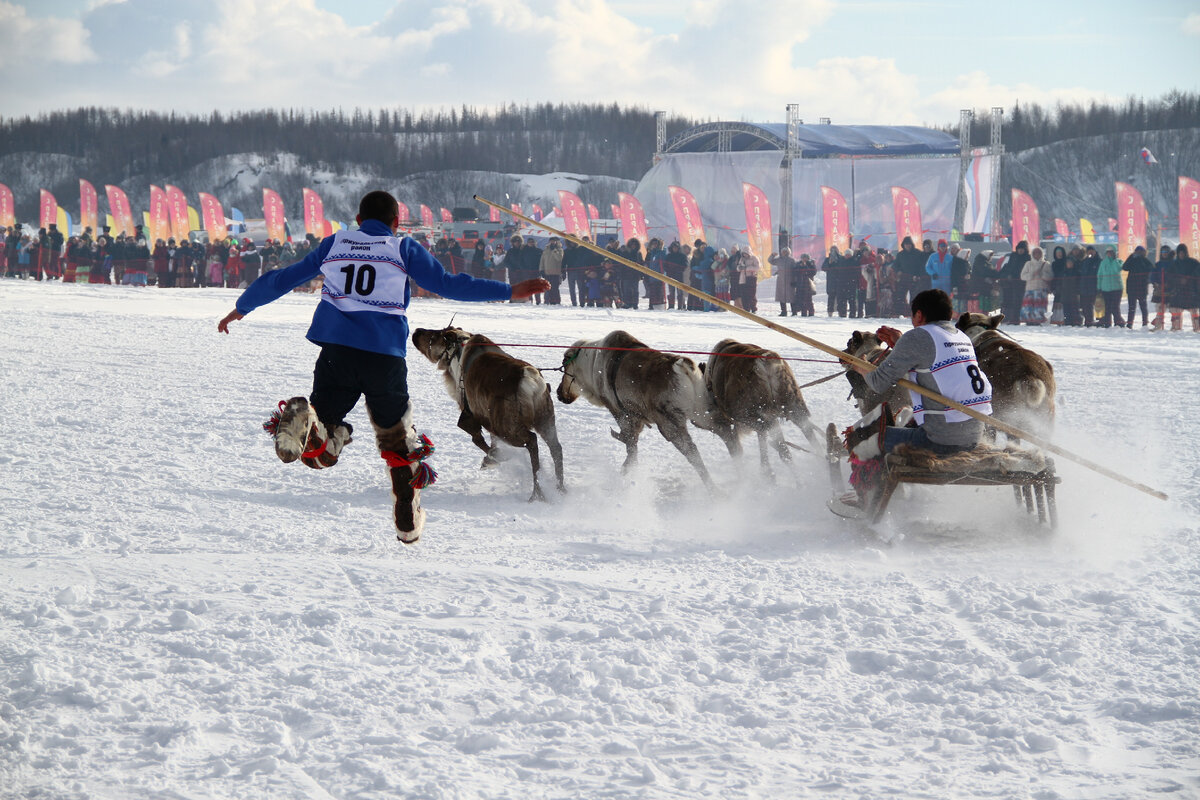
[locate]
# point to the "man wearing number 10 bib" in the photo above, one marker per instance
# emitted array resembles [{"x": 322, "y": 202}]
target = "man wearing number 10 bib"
[
  {"x": 361, "y": 326},
  {"x": 937, "y": 356}
]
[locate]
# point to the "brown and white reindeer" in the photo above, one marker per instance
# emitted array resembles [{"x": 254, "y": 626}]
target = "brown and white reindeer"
[
  {"x": 869, "y": 347},
  {"x": 755, "y": 390},
  {"x": 1023, "y": 385},
  {"x": 641, "y": 386},
  {"x": 495, "y": 392}
]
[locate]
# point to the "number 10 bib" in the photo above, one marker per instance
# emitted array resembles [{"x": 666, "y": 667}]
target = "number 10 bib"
[{"x": 365, "y": 273}]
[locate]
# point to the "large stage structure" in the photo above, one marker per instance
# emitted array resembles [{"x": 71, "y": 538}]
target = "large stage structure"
[{"x": 791, "y": 162}]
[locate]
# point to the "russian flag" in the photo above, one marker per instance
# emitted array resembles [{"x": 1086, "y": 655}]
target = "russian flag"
[{"x": 1147, "y": 156}]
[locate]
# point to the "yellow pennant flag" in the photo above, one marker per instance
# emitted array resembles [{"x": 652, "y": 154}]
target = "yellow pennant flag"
[{"x": 1089, "y": 233}]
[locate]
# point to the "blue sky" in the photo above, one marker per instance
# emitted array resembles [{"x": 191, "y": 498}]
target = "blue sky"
[{"x": 855, "y": 62}]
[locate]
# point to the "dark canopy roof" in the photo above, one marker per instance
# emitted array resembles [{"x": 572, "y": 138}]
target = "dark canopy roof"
[{"x": 817, "y": 140}]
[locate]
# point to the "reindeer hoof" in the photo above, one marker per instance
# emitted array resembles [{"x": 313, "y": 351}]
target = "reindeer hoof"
[{"x": 538, "y": 495}]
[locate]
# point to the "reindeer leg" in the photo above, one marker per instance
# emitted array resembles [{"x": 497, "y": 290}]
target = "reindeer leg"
[
  {"x": 678, "y": 435},
  {"x": 763, "y": 456},
  {"x": 468, "y": 423},
  {"x": 531, "y": 444},
  {"x": 550, "y": 433},
  {"x": 630, "y": 429}
]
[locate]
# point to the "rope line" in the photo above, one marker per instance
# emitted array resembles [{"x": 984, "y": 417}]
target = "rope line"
[{"x": 653, "y": 350}]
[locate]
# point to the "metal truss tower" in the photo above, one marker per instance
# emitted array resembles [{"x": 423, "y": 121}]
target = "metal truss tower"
[
  {"x": 791, "y": 153},
  {"x": 964, "y": 154},
  {"x": 997, "y": 151},
  {"x": 660, "y": 134}
]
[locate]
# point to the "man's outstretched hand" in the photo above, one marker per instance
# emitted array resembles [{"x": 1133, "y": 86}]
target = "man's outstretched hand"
[
  {"x": 526, "y": 289},
  {"x": 223, "y": 325}
]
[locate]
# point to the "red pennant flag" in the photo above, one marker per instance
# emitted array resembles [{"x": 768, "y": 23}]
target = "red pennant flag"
[
  {"x": 516, "y": 207},
  {"x": 48, "y": 211},
  {"x": 1189, "y": 214},
  {"x": 122, "y": 214},
  {"x": 616, "y": 211},
  {"x": 1112, "y": 224},
  {"x": 1131, "y": 225},
  {"x": 1026, "y": 225},
  {"x": 758, "y": 226},
  {"x": 837, "y": 219},
  {"x": 574, "y": 214},
  {"x": 537, "y": 212},
  {"x": 633, "y": 219},
  {"x": 907, "y": 212},
  {"x": 687, "y": 215},
  {"x": 178, "y": 208},
  {"x": 89, "y": 207},
  {"x": 403, "y": 214},
  {"x": 426, "y": 216},
  {"x": 1062, "y": 228},
  {"x": 447, "y": 216},
  {"x": 273, "y": 215},
  {"x": 8, "y": 214},
  {"x": 160, "y": 216},
  {"x": 593, "y": 212},
  {"x": 493, "y": 214},
  {"x": 314, "y": 214},
  {"x": 213, "y": 217}
]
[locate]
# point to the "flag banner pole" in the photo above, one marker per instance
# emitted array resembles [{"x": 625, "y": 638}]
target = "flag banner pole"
[{"x": 1000, "y": 425}]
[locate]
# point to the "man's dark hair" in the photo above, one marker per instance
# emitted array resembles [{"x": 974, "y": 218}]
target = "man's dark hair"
[
  {"x": 379, "y": 205},
  {"x": 934, "y": 304}
]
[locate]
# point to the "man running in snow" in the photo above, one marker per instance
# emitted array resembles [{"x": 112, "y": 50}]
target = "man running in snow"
[
  {"x": 361, "y": 326},
  {"x": 934, "y": 355}
]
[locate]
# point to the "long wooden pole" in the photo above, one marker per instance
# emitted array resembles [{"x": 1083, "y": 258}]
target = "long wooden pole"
[{"x": 998, "y": 424}]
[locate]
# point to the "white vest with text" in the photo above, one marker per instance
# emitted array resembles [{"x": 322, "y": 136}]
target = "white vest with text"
[
  {"x": 956, "y": 372},
  {"x": 364, "y": 273}
]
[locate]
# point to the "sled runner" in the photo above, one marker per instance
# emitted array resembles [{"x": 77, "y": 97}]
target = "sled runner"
[{"x": 1029, "y": 472}]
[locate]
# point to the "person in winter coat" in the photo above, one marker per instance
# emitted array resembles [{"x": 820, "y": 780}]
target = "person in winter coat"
[
  {"x": 910, "y": 269},
  {"x": 1012, "y": 290},
  {"x": 550, "y": 268},
  {"x": 629, "y": 279},
  {"x": 960, "y": 270},
  {"x": 785, "y": 279},
  {"x": 656, "y": 256},
  {"x": 1137, "y": 284},
  {"x": 702, "y": 262},
  {"x": 361, "y": 326},
  {"x": 1183, "y": 272},
  {"x": 1088, "y": 267},
  {"x": 937, "y": 267},
  {"x": 1036, "y": 276},
  {"x": 806, "y": 286},
  {"x": 162, "y": 262},
  {"x": 675, "y": 264},
  {"x": 1110, "y": 286},
  {"x": 1162, "y": 285},
  {"x": 251, "y": 261},
  {"x": 835, "y": 285},
  {"x": 747, "y": 278},
  {"x": 720, "y": 272}
]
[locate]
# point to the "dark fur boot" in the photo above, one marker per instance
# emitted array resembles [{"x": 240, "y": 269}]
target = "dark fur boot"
[
  {"x": 324, "y": 450},
  {"x": 399, "y": 446}
]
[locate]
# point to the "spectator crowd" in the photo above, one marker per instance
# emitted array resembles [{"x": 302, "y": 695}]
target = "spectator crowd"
[{"x": 1074, "y": 286}]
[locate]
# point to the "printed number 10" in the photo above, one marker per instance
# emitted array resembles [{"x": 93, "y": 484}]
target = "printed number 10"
[{"x": 364, "y": 284}]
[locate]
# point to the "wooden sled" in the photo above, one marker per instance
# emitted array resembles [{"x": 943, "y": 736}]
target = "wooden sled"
[{"x": 1029, "y": 472}]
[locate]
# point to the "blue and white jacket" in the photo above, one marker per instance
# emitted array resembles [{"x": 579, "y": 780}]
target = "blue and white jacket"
[{"x": 365, "y": 296}]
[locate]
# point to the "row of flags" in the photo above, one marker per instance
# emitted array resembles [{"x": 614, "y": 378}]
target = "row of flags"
[
  {"x": 170, "y": 216},
  {"x": 1130, "y": 224}
]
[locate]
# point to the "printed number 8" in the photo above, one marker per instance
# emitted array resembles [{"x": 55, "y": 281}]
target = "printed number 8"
[
  {"x": 977, "y": 384},
  {"x": 364, "y": 284}
]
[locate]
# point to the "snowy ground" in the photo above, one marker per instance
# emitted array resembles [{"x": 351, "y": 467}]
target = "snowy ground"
[{"x": 184, "y": 617}]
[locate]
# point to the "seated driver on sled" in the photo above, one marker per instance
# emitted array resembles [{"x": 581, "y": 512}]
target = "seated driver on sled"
[
  {"x": 936, "y": 356},
  {"x": 361, "y": 326}
]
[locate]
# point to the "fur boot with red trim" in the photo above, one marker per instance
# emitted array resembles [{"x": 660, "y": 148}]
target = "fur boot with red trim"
[
  {"x": 864, "y": 443},
  {"x": 404, "y": 452},
  {"x": 300, "y": 435}
]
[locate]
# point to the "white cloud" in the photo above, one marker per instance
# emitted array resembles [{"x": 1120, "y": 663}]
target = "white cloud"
[
  {"x": 976, "y": 90},
  {"x": 1191, "y": 25},
  {"x": 24, "y": 39}
]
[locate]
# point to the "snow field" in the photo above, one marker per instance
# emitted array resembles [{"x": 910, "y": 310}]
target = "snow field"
[{"x": 183, "y": 616}]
